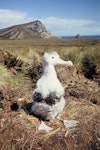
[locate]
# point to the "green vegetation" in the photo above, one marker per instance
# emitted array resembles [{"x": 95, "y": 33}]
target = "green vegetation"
[{"x": 5, "y": 76}]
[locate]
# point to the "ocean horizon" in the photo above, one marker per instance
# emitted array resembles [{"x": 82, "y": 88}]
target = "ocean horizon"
[{"x": 82, "y": 36}]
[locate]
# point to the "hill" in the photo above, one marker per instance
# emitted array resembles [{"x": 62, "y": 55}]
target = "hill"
[{"x": 29, "y": 30}]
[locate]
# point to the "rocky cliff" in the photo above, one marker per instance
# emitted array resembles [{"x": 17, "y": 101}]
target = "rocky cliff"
[{"x": 35, "y": 29}]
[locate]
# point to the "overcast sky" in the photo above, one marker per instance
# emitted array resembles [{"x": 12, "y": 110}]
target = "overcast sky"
[{"x": 61, "y": 17}]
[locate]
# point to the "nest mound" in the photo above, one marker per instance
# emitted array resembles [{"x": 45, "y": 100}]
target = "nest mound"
[{"x": 20, "y": 131}]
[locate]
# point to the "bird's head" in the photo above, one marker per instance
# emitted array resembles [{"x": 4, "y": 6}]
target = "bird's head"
[{"x": 52, "y": 58}]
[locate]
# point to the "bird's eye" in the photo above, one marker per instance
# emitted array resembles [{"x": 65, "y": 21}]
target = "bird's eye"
[{"x": 52, "y": 57}]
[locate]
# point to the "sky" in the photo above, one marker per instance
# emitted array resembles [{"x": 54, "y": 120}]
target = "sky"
[{"x": 60, "y": 17}]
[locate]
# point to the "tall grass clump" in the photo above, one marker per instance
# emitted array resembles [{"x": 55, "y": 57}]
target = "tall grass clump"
[
  {"x": 85, "y": 58},
  {"x": 34, "y": 71},
  {"x": 88, "y": 66},
  {"x": 74, "y": 54},
  {"x": 90, "y": 62},
  {"x": 27, "y": 55},
  {"x": 5, "y": 76}
]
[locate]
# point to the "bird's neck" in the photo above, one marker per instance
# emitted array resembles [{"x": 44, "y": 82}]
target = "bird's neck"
[{"x": 49, "y": 70}]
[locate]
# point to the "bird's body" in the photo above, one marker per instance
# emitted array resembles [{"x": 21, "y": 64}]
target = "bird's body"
[
  {"x": 48, "y": 96},
  {"x": 49, "y": 83},
  {"x": 45, "y": 111}
]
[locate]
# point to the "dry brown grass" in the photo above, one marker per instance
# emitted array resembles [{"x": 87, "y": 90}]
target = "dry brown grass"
[
  {"x": 73, "y": 49},
  {"x": 19, "y": 131},
  {"x": 23, "y": 129}
]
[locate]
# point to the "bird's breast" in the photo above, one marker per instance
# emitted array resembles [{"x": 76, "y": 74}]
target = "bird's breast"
[{"x": 47, "y": 86}]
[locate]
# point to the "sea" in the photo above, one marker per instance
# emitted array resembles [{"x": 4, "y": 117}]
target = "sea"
[{"x": 83, "y": 36}]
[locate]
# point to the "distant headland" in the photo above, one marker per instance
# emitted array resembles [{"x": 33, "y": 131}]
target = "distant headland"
[{"x": 82, "y": 36}]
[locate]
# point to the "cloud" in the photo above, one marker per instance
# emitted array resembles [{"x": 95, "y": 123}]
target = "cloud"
[
  {"x": 57, "y": 26},
  {"x": 12, "y": 17},
  {"x": 64, "y": 26}
]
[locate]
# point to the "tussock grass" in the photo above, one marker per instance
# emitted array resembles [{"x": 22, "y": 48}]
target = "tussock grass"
[
  {"x": 72, "y": 49},
  {"x": 28, "y": 56},
  {"x": 30, "y": 52},
  {"x": 5, "y": 76}
]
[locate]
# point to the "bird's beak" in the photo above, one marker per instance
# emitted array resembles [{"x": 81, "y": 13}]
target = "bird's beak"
[{"x": 68, "y": 63}]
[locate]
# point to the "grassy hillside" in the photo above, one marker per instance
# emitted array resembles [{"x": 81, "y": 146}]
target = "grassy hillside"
[
  {"x": 20, "y": 68},
  {"x": 69, "y": 49}
]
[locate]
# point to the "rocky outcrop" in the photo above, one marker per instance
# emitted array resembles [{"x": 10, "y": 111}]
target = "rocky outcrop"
[
  {"x": 35, "y": 29},
  {"x": 77, "y": 36}
]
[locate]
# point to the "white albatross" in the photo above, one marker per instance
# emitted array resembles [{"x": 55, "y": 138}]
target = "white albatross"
[{"x": 48, "y": 96}]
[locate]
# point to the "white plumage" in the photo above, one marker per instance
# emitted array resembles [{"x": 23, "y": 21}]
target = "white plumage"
[{"x": 48, "y": 96}]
